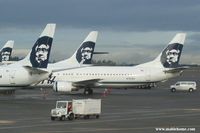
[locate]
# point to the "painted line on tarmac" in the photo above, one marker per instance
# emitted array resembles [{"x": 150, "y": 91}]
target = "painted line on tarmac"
[
  {"x": 146, "y": 111},
  {"x": 76, "y": 130},
  {"x": 145, "y": 115},
  {"x": 98, "y": 121},
  {"x": 7, "y": 122}
]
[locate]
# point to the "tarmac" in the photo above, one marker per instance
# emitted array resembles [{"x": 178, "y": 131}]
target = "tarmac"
[{"x": 123, "y": 111}]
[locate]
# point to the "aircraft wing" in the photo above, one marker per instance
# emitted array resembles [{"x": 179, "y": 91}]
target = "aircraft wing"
[
  {"x": 35, "y": 70},
  {"x": 8, "y": 62},
  {"x": 84, "y": 83},
  {"x": 69, "y": 68}
]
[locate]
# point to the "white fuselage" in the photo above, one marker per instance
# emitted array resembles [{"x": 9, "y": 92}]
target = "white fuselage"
[
  {"x": 109, "y": 76},
  {"x": 12, "y": 77}
]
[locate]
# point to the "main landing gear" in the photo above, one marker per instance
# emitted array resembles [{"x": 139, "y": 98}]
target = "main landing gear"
[{"x": 88, "y": 91}]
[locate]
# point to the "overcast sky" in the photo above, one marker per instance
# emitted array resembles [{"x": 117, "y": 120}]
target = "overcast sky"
[{"x": 133, "y": 31}]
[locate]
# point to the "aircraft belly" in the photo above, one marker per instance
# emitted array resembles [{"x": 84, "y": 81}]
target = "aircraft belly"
[{"x": 118, "y": 84}]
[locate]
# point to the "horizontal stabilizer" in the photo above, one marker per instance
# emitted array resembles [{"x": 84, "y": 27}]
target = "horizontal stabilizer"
[
  {"x": 33, "y": 70},
  {"x": 177, "y": 69},
  {"x": 101, "y": 53}
]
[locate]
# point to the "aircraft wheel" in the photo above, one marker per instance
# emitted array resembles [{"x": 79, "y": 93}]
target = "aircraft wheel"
[
  {"x": 97, "y": 116},
  {"x": 62, "y": 118},
  {"x": 86, "y": 117},
  {"x": 52, "y": 118},
  {"x": 88, "y": 91},
  {"x": 71, "y": 116},
  {"x": 191, "y": 90},
  {"x": 173, "y": 90}
]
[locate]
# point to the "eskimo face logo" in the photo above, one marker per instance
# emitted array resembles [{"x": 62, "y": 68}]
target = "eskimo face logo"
[
  {"x": 172, "y": 55},
  {"x": 86, "y": 54},
  {"x": 5, "y": 55},
  {"x": 41, "y": 52},
  {"x": 39, "y": 55}
]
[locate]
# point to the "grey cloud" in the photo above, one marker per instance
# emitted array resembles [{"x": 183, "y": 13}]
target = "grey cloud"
[
  {"x": 192, "y": 44},
  {"x": 23, "y": 20},
  {"x": 133, "y": 54},
  {"x": 194, "y": 38},
  {"x": 128, "y": 15}
]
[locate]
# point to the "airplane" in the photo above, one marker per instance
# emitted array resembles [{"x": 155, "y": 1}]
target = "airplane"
[
  {"x": 6, "y": 51},
  {"x": 33, "y": 68},
  {"x": 163, "y": 67},
  {"x": 82, "y": 57}
]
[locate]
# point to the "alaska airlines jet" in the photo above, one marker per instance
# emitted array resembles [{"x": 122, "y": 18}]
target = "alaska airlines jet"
[
  {"x": 6, "y": 51},
  {"x": 165, "y": 66},
  {"x": 32, "y": 68},
  {"x": 81, "y": 58}
]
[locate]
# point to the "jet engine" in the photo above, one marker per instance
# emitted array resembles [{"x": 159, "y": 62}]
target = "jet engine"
[{"x": 63, "y": 86}]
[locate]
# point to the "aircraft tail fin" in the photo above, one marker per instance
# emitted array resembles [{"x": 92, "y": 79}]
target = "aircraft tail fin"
[
  {"x": 84, "y": 54},
  {"x": 170, "y": 56},
  {"x": 6, "y": 51},
  {"x": 39, "y": 55}
]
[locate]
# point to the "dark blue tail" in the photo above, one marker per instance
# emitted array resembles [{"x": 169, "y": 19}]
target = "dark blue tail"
[
  {"x": 170, "y": 56},
  {"x": 39, "y": 56},
  {"x": 85, "y": 52}
]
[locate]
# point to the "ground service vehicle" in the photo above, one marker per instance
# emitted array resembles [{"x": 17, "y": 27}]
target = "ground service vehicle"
[
  {"x": 76, "y": 108},
  {"x": 183, "y": 86}
]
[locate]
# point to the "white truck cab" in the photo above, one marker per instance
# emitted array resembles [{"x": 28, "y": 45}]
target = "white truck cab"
[
  {"x": 76, "y": 108},
  {"x": 184, "y": 86},
  {"x": 63, "y": 110}
]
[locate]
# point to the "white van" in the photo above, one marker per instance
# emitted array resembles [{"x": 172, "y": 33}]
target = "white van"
[{"x": 184, "y": 86}]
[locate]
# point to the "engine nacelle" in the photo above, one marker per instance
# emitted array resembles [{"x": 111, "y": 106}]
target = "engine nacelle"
[{"x": 63, "y": 86}]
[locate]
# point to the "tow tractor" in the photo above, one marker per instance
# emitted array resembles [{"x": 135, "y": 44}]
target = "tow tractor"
[{"x": 76, "y": 108}]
